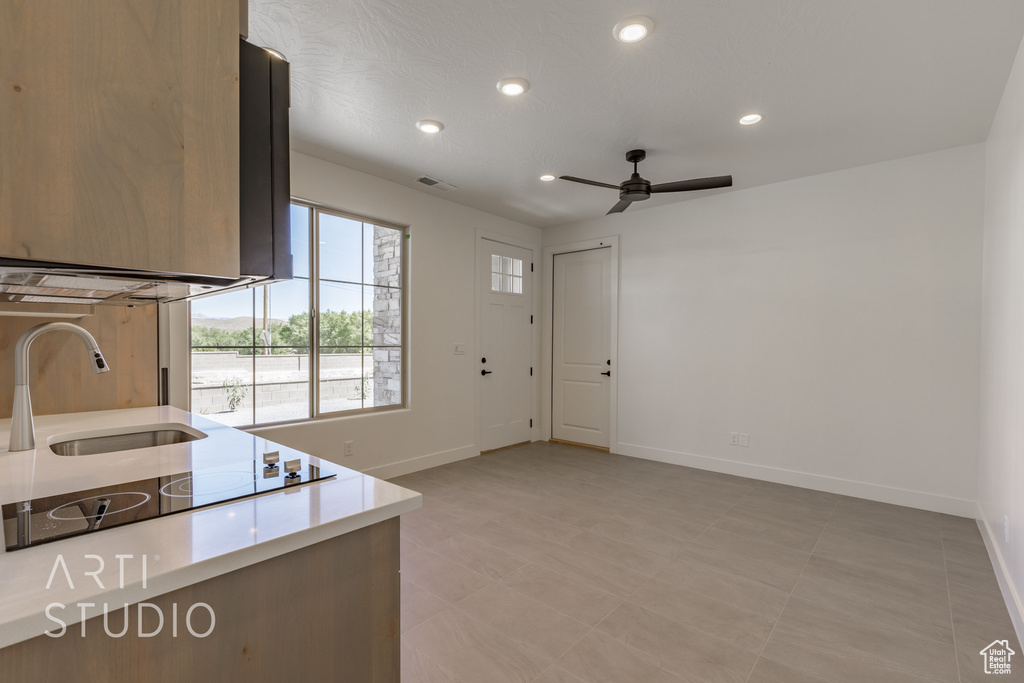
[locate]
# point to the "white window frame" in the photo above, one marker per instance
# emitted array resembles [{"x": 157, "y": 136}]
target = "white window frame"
[{"x": 315, "y": 209}]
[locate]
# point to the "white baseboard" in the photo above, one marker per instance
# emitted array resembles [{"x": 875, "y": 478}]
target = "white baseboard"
[
  {"x": 961, "y": 507},
  {"x": 422, "y": 462},
  {"x": 1010, "y": 595}
]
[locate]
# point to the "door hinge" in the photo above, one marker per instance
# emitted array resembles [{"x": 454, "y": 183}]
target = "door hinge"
[
  {"x": 531, "y": 319},
  {"x": 531, "y": 372},
  {"x": 531, "y": 267},
  {"x": 531, "y": 423}
]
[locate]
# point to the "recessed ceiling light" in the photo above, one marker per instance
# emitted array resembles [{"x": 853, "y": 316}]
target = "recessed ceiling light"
[
  {"x": 512, "y": 86},
  {"x": 750, "y": 119},
  {"x": 428, "y": 126},
  {"x": 634, "y": 29},
  {"x": 547, "y": 177}
]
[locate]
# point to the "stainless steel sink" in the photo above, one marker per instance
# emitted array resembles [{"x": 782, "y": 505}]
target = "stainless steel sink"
[{"x": 125, "y": 441}]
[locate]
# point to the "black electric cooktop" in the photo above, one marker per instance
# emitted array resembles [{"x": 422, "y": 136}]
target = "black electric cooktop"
[{"x": 41, "y": 520}]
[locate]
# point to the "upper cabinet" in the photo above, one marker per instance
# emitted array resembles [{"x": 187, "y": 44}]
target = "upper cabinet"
[{"x": 119, "y": 135}]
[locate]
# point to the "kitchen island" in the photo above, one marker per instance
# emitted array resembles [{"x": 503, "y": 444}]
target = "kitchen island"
[{"x": 300, "y": 582}]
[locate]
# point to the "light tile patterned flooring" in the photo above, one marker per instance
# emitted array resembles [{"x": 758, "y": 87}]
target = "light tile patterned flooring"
[{"x": 552, "y": 564}]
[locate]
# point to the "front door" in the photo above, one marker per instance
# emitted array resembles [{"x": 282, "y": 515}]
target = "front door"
[
  {"x": 581, "y": 343},
  {"x": 504, "y": 353}
]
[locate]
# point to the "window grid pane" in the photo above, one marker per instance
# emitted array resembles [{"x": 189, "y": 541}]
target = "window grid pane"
[
  {"x": 352, "y": 282},
  {"x": 250, "y": 348},
  {"x": 341, "y": 379},
  {"x": 506, "y": 274}
]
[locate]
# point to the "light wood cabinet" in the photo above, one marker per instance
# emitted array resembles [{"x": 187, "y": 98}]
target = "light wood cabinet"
[
  {"x": 326, "y": 612},
  {"x": 119, "y": 142}
]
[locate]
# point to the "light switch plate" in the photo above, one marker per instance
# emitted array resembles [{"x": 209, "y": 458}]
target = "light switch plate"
[
  {"x": 734, "y": 439},
  {"x": 459, "y": 349},
  {"x": 744, "y": 440}
]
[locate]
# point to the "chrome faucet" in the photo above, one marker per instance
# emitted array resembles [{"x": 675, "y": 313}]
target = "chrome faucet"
[{"x": 23, "y": 435}]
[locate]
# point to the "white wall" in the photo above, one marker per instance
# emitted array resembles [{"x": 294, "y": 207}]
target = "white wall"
[
  {"x": 1001, "y": 470},
  {"x": 834, "y": 318},
  {"x": 440, "y": 424}
]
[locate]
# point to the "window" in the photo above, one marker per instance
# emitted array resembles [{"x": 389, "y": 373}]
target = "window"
[
  {"x": 506, "y": 274},
  {"x": 251, "y": 349}
]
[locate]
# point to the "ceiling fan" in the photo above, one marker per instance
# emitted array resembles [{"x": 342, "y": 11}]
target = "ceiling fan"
[{"x": 636, "y": 188}]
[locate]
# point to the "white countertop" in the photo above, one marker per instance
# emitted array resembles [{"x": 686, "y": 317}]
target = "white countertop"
[{"x": 180, "y": 549}]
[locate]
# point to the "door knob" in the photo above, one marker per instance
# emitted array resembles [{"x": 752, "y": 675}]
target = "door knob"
[
  {"x": 486, "y": 372},
  {"x": 609, "y": 373}
]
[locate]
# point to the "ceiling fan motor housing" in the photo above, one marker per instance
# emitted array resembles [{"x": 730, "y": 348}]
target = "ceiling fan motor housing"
[{"x": 635, "y": 189}]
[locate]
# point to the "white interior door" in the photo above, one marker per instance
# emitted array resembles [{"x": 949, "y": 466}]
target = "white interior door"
[
  {"x": 506, "y": 291},
  {"x": 581, "y": 342}
]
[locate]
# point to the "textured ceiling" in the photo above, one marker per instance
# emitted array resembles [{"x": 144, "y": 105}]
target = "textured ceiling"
[{"x": 841, "y": 83}]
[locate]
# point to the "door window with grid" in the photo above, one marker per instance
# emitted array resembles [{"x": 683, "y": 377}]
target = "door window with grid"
[
  {"x": 506, "y": 274},
  {"x": 328, "y": 341}
]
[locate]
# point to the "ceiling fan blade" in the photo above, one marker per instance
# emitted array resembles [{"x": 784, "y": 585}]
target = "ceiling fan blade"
[
  {"x": 695, "y": 184},
  {"x": 587, "y": 182},
  {"x": 620, "y": 207}
]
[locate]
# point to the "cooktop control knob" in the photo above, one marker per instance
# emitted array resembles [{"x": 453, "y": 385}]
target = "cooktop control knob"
[{"x": 271, "y": 458}]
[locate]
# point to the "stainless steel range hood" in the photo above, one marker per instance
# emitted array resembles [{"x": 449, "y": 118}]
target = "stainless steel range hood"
[{"x": 32, "y": 282}]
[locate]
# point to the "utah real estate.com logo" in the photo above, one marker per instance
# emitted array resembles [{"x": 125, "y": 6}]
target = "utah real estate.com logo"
[{"x": 997, "y": 657}]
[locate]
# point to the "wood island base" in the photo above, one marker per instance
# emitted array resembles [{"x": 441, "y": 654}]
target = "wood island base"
[{"x": 326, "y": 612}]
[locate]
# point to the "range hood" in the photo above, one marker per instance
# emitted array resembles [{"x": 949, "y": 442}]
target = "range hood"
[
  {"x": 32, "y": 282},
  {"x": 264, "y": 231}
]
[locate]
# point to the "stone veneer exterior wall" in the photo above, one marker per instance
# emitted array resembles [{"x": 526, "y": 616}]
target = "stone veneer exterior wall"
[{"x": 387, "y": 316}]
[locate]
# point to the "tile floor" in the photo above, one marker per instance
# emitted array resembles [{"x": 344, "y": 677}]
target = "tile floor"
[{"x": 553, "y": 564}]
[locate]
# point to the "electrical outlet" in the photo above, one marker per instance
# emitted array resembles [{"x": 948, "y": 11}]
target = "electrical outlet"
[
  {"x": 744, "y": 440},
  {"x": 459, "y": 349},
  {"x": 734, "y": 439},
  {"x": 1006, "y": 528},
  {"x": 349, "y": 450}
]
